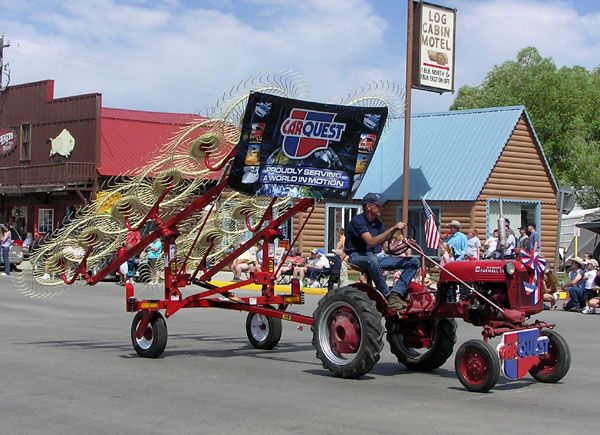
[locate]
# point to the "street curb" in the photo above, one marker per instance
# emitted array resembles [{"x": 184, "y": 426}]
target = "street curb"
[{"x": 278, "y": 288}]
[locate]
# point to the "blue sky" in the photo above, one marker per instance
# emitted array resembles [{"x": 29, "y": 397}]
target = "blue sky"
[{"x": 180, "y": 56}]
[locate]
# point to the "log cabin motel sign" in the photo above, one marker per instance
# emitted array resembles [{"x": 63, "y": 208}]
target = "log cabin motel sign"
[{"x": 433, "y": 48}]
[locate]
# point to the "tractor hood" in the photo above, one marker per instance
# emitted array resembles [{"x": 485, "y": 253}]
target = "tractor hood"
[{"x": 478, "y": 270}]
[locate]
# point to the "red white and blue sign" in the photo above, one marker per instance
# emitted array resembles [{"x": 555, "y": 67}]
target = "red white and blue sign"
[
  {"x": 303, "y": 149},
  {"x": 519, "y": 351}
]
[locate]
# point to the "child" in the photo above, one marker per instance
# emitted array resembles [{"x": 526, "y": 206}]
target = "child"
[{"x": 591, "y": 281}]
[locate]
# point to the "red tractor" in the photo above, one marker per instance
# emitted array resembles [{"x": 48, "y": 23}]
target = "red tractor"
[{"x": 497, "y": 295}]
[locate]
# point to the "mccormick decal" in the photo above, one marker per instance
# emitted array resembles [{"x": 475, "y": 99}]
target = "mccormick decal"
[
  {"x": 306, "y": 131},
  {"x": 519, "y": 351}
]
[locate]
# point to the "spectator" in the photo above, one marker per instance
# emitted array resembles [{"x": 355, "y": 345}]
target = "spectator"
[
  {"x": 523, "y": 241},
  {"x": 154, "y": 252},
  {"x": 6, "y": 243},
  {"x": 317, "y": 264},
  {"x": 131, "y": 240},
  {"x": 590, "y": 284},
  {"x": 257, "y": 267},
  {"x": 587, "y": 256},
  {"x": 511, "y": 242},
  {"x": 550, "y": 289},
  {"x": 28, "y": 241},
  {"x": 291, "y": 263},
  {"x": 339, "y": 250},
  {"x": 243, "y": 263},
  {"x": 335, "y": 266},
  {"x": 364, "y": 237},
  {"x": 446, "y": 254},
  {"x": 594, "y": 302},
  {"x": 457, "y": 240},
  {"x": 575, "y": 286},
  {"x": 473, "y": 245},
  {"x": 534, "y": 239},
  {"x": 491, "y": 244}
]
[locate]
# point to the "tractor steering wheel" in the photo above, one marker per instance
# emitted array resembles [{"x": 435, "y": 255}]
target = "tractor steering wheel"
[{"x": 396, "y": 247}]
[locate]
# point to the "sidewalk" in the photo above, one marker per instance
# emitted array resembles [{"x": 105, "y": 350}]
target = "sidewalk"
[{"x": 224, "y": 278}]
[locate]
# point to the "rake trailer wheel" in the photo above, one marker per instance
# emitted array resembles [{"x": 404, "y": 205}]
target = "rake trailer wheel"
[
  {"x": 431, "y": 358},
  {"x": 154, "y": 339},
  {"x": 556, "y": 363},
  {"x": 347, "y": 332},
  {"x": 263, "y": 332},
  {"x": 477, "y": 366}
]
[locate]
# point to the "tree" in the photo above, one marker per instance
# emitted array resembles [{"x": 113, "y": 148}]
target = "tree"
[{"x": 564, "y": 106}]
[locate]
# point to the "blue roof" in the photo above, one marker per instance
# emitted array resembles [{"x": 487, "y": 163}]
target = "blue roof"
[{"x": 451, "y": 155}]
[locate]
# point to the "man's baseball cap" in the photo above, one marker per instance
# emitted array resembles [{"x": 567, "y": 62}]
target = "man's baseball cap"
[{"x": 374, "y": 198}]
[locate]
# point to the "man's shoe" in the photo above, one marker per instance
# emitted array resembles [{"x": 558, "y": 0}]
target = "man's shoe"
[{"x": 396, "y": 302}]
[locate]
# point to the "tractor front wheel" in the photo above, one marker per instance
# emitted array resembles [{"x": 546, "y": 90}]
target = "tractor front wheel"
[
  {"x": 477, "y": 366},
  {"x": 554, "y": 365},
  {"x": 153, "y": 340},
  {"x": 347, "y": 332},
  {"x": 263, "y": 332}
]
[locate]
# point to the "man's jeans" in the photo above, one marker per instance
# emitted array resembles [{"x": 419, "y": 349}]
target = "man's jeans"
[
  {"x": 576, "y": 296},
  {"x": 374, "y": 265}
]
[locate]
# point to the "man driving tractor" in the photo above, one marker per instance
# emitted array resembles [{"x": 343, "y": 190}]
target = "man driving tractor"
[{"x": 365, "y": 235}]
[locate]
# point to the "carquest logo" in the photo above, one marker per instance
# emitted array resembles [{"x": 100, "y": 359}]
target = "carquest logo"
[{"x": 306, "y": 131}]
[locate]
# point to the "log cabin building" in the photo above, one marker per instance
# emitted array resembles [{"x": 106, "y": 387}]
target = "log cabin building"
[
  {"x": 463, "y": 163},
  {"x": 57, "y": 153}
]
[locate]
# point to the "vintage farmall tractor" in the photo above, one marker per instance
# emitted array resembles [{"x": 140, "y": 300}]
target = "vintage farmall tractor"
[
  {"x": 498, "y": 295},
  {"x": 204, "y": 224}
]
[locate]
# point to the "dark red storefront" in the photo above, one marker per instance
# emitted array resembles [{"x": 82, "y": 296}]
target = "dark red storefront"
[{"x": 55, "y": 154}]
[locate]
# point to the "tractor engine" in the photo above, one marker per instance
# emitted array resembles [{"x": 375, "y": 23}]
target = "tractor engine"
[{"x": 507, "y": 283}]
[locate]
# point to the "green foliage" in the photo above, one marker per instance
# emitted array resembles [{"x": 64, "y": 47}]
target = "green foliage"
[{"x": 564, "y": 106}]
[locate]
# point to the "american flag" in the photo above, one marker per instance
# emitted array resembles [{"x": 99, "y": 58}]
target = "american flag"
[{"x": 432, "y": 235}]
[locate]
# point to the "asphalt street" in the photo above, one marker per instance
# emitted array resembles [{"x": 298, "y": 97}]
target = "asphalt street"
[{"x": 68, "y": 367}]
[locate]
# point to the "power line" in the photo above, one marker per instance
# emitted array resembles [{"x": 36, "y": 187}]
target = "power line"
[
  {"x": 113, "y": 75},
  {"x": 104, "y": 63}
]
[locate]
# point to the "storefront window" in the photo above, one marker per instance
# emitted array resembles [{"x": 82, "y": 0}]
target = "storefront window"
[{"x": 45, "y": 220}]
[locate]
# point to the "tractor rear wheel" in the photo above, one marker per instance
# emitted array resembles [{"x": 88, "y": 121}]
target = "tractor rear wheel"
[
  {"x": 153, "y": 341},
  {"x": 556, "y": 363},
  {"x": 430, "y": 358},
  {"x": 263, "y": 332},
  {"x": 477, "y": 366},
  {"x": 347, "y": 332}
]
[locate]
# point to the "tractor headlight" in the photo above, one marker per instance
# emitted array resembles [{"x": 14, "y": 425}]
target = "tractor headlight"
[{"x": 510, "y": 268}]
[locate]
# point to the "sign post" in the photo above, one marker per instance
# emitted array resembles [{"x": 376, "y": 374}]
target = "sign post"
[{"x": 430, "y": 42}]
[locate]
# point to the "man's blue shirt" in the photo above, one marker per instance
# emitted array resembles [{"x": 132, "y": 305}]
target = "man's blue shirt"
[
  {"x": 458, "y": 242},
  {"x": 534, "y": 237},
  {"x": 357, "y": 226}
]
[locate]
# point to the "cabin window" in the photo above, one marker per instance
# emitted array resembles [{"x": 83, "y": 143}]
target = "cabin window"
[
  {"x": 416, "y": 218},
  {"x": 25, "y": 148},
  {"x": 337, "y": 215},
  {"x": 520, "y": 214}
]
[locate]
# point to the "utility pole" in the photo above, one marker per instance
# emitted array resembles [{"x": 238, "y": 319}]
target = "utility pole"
[{"x": 2, "y": 46}]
